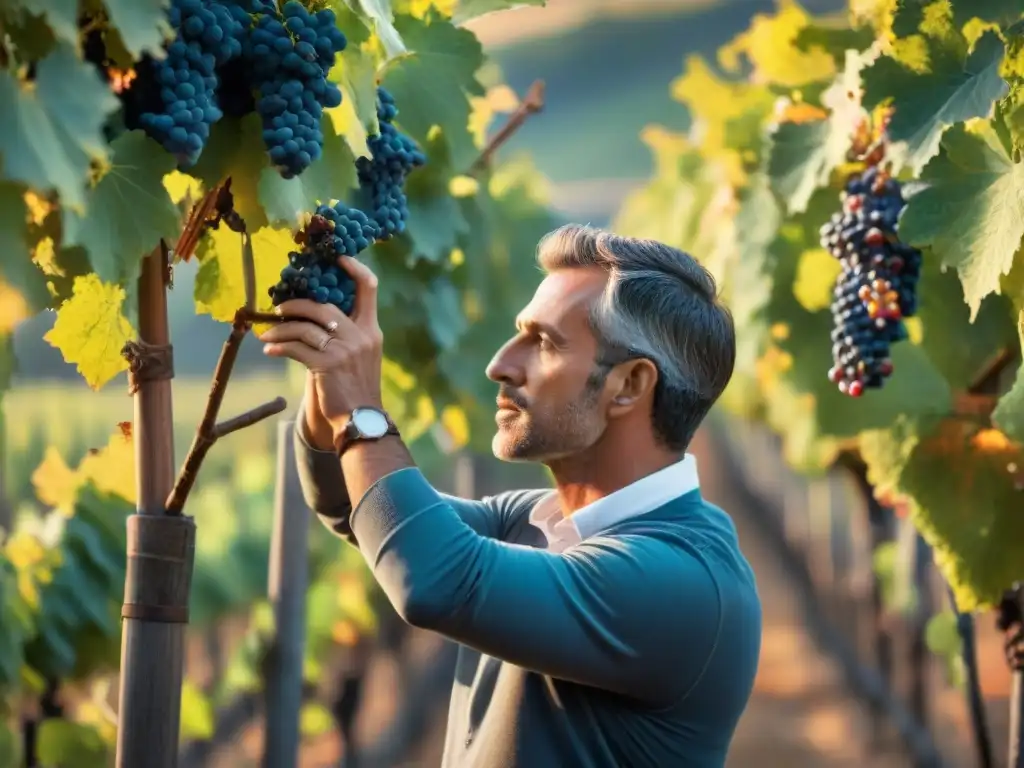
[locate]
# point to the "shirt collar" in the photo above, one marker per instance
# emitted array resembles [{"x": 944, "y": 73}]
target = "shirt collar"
[{"x": 637, "y": 498}]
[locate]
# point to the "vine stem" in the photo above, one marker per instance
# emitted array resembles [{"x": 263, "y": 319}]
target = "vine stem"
[
  {"x": 209, "y": 430},
  {"x": 530, "y": 105}
]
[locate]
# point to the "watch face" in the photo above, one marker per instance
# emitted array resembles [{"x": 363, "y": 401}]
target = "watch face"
[{"x": 369, "y": 422}]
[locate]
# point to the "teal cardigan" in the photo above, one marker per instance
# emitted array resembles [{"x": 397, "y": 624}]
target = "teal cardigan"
[{"x": 635, "y": 648}]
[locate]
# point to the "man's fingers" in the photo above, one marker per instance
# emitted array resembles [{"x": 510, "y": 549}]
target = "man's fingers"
[
  {"x": 365, "y": 313},
  {"x": 309, "y": 334},
  {"x": 323, "y": 315},
  {"x": 298, "y": 351}
]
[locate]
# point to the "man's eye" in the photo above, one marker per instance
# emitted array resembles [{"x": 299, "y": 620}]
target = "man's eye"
[{"x": 545, "y": 343}]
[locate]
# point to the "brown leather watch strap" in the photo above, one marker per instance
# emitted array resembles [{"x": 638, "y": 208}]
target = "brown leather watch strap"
[{"x": 351, "y": 433}]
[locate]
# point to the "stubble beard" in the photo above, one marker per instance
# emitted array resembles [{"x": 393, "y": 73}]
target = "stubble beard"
[{"x": 527, "y": 436}]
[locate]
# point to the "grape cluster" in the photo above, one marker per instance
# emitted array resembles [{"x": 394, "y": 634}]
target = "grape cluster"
[
  {"x": 340, "y": 230},
  {"x": 236, "y": 57},
  {"x": 314, "y": 272},
  {"x": 382, "y": 176},
  {"x": 182, "y": 86},
  {"x": 877, "y": 286},
  {"x": 291, "y": 55}
]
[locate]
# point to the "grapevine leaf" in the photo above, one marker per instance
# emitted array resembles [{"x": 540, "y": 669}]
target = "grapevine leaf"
[
  {"x": 129, "y": 209},
  {"x": 432, "y": 85},
  {"x": 1009, "y": 413},
  {"x": 51, "y": 131},
  {"x": 971, "y": 517},
  {"x": 435, "y": 217},
  {"x": 757, "y": 222},
  {"x": 236, "y": 149},
  {"x": 91, "y": 330},
  {"x": 971, "y": 212},
  {"x": 142, "y": 24},
  {"x": 16, "y": 267},
  {"x": 378, "y": 17},
  {"x": 285, "y": 200},
  {"x": 803, "y": 155},
  {"x": 957, "y": 346},
  {"x": 70, "y": 745},
  {"x": 1003, "y": 12},
  {"x": 356, "y": 75},
  {"x": 197, "y": 716},
  {"x": 446, "y": 320},
  {"x": 768, "y": 45},
  {"x": 220, "y": 285},
  {"x": 61, "y": 16},
  {"x": 926, "y": 104},
  {"x": 466, "y": 10},
  {"x": 835, "y": 40}
]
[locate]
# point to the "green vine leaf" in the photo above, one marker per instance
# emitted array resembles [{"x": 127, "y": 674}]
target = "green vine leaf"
[
  {"x": 50, "y": 132},
  {"x": 804, "y": 154},
  {"x": 330, "y": 177},
  {"x": 142, "y": 24},
  {"x": 66, "y": 744},
  {"x": 236, "y": 149},
  {"x": 433, "y": 84},
  {"x": 1004, "y": 12},
  {"x": 926, "y": 104},
  {"x": 467, "y": 10},
  {"x": 971, "y": 213},
  {"x": 16, "y": 266},
  {"x": 115, "y": 239},
  {"x": 970, "y": 516},
  {"x": 378, "y": 16},
  {"x": 61, "y": 16}
]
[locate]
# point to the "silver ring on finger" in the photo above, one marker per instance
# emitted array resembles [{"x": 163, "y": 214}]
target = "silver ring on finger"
[
  {"x": 327, "y": 340},
  {"x": 332, "y": 326}
]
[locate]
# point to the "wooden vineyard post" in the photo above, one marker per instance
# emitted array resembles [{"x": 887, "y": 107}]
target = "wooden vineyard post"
[
  {"x": 161, "y": 548},
  {"x": 286, "y": 588}
]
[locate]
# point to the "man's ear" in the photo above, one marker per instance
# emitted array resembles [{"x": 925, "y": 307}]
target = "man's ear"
[{"x": 634, "y": 383}]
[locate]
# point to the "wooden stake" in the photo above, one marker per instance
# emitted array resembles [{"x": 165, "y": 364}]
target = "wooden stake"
[
  {"x": 286, "y": 588},
  {"x": 160, "y": 554}
]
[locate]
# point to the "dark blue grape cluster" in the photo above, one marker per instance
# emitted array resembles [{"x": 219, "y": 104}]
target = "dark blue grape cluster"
[
  {"x": 382, "y": 176},
  {"x": 877, "y": 286},
  {"x": 291, "y": 54},
  {"x": 185, "y": 79},
  {"x": 239, "y": 56},
  {"x": 340, "y": 230},
  {"x": 308, "y": 277}
]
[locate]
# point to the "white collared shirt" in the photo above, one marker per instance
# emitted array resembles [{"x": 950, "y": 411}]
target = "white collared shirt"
[{"x": 635, "y": 499}]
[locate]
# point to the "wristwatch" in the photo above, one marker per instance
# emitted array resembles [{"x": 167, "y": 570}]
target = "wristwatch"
[{"x": 365, "y": 423}]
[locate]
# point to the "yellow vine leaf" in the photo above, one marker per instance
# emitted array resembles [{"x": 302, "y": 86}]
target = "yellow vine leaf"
[
  {"x": 13, "y": 309},
  {"x": 91, "y": 330},
  {"x": 220, "y": 284},
  {"x": 768, "y": 44},
  {"x": 455, "y": 423},
  {"x": 180, "y": 185},
  {"x": 111, "y": 469},
  {"x": 801, "y": 112},
  {"x": 55, "y": 482}
]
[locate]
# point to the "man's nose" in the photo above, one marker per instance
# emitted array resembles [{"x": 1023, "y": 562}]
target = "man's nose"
[{"x": 504, "y": 369}]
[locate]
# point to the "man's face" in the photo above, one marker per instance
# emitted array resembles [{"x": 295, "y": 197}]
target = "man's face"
[{"x": 550, "y": 394}]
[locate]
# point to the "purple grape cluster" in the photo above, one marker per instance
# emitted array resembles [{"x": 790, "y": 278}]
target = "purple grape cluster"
[{"x": 877, "y": 286}]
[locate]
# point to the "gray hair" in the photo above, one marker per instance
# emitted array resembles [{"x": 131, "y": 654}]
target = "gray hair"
[{"x": 659, "y": 304}]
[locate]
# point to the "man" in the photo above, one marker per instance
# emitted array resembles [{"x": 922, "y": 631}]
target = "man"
[{"x": 610, "y": 622}]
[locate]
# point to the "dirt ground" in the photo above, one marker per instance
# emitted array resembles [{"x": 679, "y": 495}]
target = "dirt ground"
[{"x": 801, "y": 713}]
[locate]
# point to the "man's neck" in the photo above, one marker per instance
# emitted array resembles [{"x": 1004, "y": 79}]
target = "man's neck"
[{"x": 585, "y": 478}]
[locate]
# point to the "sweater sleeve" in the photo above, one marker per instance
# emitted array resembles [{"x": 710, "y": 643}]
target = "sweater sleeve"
[
  {"x": 323, "y": 488},
  {"x": 628, "y": 614}
]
